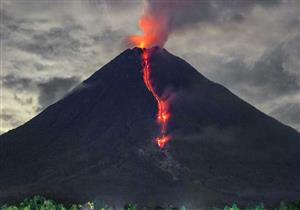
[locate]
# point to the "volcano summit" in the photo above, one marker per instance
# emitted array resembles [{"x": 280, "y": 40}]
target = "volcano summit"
[{"x": 99, "y": 142}]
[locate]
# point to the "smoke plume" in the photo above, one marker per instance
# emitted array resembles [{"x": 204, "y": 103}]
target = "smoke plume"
[{"x": 163, "y": 17}]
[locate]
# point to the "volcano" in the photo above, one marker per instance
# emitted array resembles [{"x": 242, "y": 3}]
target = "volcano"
[{"x": 98, "y": 142}]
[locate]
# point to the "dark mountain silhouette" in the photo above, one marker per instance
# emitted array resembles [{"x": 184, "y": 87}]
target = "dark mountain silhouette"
[{"x": 97, "y": 142}]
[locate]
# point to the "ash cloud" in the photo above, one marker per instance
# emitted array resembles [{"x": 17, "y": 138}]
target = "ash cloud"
[{"x": 183, "y": 14}]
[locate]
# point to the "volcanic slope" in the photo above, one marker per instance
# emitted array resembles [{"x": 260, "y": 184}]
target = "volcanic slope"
[{"x": 98, "y": 142}]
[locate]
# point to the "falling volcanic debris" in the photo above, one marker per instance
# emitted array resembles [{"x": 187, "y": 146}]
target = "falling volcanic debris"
[{"x": 154, "y": 33}]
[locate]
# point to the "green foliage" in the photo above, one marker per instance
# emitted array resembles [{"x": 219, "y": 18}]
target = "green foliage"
[
  {"x": 129, "y": 207},
  {"x": 40, "y": 203},
  {"x": 235, "y": 207},
  {"x": 294, "y": 205},
  {"x": 290, "y": 206}
]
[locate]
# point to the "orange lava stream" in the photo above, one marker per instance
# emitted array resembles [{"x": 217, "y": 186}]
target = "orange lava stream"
[{"x": 163, "y": 114}]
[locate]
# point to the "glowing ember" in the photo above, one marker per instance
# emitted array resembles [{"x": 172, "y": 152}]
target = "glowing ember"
[
  {"x": 163, "y": 114},
  {"x": 161, "y": 141}
]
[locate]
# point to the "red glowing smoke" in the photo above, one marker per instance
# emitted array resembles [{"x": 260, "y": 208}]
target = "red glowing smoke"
[
  {"x": 155, "y": 27},
  {"x": 162, "y": 17}
]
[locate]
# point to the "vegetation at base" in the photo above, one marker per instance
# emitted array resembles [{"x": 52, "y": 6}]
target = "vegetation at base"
[{"x": 41, "y": 203}]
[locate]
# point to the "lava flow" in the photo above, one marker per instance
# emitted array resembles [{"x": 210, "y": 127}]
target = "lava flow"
[
  {"x": 154, "y": 26},
  {"x": 162, "y": 105}
]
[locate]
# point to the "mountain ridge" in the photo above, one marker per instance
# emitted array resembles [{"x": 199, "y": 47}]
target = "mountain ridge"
[{"x": 100, "y": 136}]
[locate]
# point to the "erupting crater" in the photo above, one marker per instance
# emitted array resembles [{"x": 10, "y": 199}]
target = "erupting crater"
[{"x": 163, "y": 114}]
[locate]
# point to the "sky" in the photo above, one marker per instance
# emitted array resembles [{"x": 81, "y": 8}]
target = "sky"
[{"x": 50, "y": 46}]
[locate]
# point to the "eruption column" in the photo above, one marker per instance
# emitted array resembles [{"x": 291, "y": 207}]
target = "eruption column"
[{"x": 162, "y": 105}]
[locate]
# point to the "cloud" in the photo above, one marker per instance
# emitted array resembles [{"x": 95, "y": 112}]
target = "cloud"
[
  {"x": 273, "y": 75},
  {"x": 17, "y": 83},
  {"x": 54, "y": 89},
  {"x": 6, "y": 116},
  {"x": 30, "y": 96},
  {"x": 276, "y": 70},
  {"x": 9, "y": 119},
  {"x": 23, "y": 101},
  {"x": 54, "y": 43}
]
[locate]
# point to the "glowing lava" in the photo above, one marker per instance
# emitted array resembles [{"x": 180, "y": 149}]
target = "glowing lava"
[{"x": 162, "y": 105}]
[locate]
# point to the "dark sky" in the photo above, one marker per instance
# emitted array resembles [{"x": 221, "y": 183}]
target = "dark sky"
[{"x": 49, "y": 46}]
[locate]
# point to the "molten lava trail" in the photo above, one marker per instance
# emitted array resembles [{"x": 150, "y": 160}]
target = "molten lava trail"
[{"x": 162, "y": 105}]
